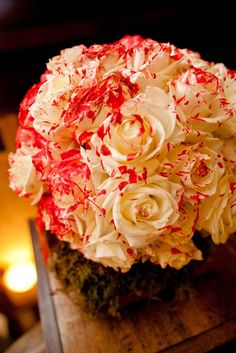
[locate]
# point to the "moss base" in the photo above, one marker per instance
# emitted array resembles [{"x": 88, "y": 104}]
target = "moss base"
[{"x": 105, "y": 290}]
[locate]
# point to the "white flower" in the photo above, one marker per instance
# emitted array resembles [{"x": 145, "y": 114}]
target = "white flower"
[
  {"x": 197, "y": 167},
  {"x": 200, "y": 101},
  {"x": 229, "y": 152},
  {"x": 132, "y": 139},
  {"x": 50, "y": 102},
  {"x": 176, "y": 257},
  {"x": 81, "y": 223},
  {"x": 22, "y": 174},
  {"x": 111, "y": 251},
  {"x": 211, "y": 211},
  {"x": 153, "y": 64},
  {"x": 140, "y": 211},
  {"x": 228, "y": 79},
  {"x": 194, "y": 59},
  {"x": 183, "y": 230}
]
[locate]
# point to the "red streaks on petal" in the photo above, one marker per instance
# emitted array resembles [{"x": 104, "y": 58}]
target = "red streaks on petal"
[
  {"x": 144, "y": 174},
  {"x": 178, "y": 101},
  {"x": 105, "y": 150},
  {"x": 102, "y": 192},
  {"x": 103, "y": 211},
  {"x": 175, "y": 251},
  {"x": 131, "y": 156},
  {"x": 123, "y": 169},
  {"x": 175, "y": 229},
  {"x": 232, "y": 187},
  {"x": 116, "y": 118},
  {"x": 140, "y": 120},
  {"x": 84, "y": 137},
  {"x": 28, "y": 100},
  {"x": 202, "y": 169},
  {"x": 71, "y": 154},
  {"x": 101, "y": 132},
  {"x": 133, "y": 176},
  {"x": 180, "y": 203},
  {"x": 177, "y": 55},
  {"x": 130, "y": 251},
  {"x": 123, "y": 184}
]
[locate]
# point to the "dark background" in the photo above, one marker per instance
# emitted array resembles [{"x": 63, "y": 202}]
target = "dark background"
[{"x": 33, "y": 31}]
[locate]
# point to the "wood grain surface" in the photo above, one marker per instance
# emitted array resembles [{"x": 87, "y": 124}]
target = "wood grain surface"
[
  {"x": 46, "y": 305},
  {"x": 30, "y": 342},
  {"x": 198, "y": 320}
]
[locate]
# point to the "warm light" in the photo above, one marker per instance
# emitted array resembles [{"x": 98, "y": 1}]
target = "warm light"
[{"x": 20, "y": 277}]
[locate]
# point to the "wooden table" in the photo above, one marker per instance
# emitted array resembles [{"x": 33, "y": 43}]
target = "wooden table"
[
  {"x": 30, "y": 342},
  {"x": 196, "y": 322}
]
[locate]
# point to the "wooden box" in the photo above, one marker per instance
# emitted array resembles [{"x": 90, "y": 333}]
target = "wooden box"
[{"x": 196, "y": 322}]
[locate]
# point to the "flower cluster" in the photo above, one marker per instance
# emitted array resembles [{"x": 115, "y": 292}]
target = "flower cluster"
[{"x": 128, "y": 149}]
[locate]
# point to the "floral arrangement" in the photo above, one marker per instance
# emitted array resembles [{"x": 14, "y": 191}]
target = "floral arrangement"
[{"x": 129, "y": 149}]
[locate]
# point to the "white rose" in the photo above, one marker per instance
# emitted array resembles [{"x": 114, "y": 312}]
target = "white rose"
[
  {"x": 183, "y": 230},
  {"x": 211, "y": 211},
  {"x": 197, "y": 167},
  {"x": 88, "y": 65},
  {"x": 194, "y": 59},
  {"x": 93, "y": 233},
  {"x": 229, "y": 152},
  {"x": 110, "y": 250},
  {"x": 228, "y": 80},
  {"x": 154, "y": 64},
  {"x": 176, "y": 257},
  {"x": 117, "y": 239},
  {"x": 140, "y": 211},
  {"x": 130, "y": 141},
  {"x": 68, "y": 60},
  {"x": 110, "y": 57},
  {"x": 50, "y": 102},
  {"x": 22, "y": 174},
  {"x": 75, "y": 64},
  {"x": 200, "y": 100},
  {"x": 81, "y": 223},
  {"x": 155, "y": 102}
]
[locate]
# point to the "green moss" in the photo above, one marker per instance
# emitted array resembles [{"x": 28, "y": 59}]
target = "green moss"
[{"x": 105, "y": 290}]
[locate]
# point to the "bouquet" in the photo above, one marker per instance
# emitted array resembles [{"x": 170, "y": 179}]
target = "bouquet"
[{"x": 129, "y": 149}]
